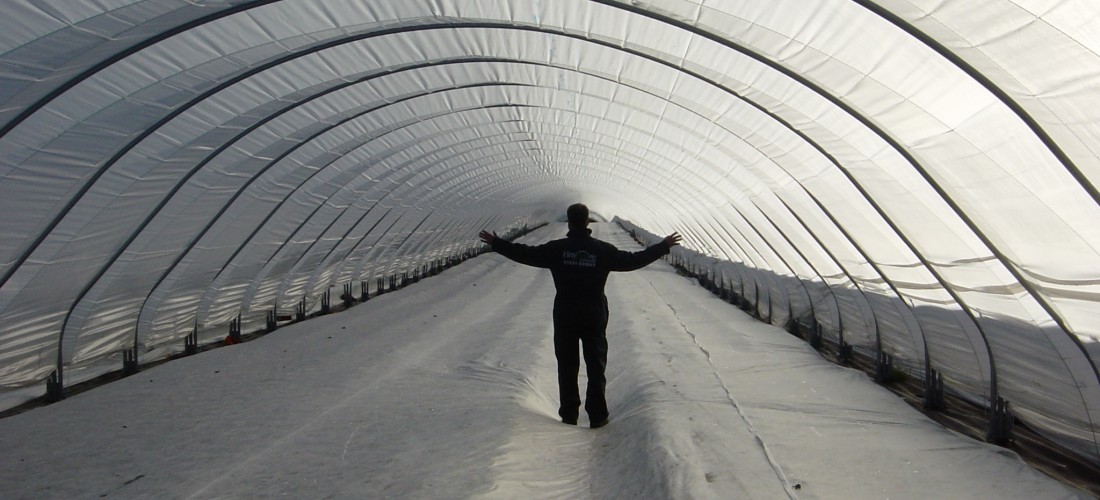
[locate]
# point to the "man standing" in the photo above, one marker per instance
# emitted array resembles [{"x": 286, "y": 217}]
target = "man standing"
[{"x": 579, "y": 265}]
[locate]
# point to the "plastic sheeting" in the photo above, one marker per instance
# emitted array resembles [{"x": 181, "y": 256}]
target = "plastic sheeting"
[{"x": 918, "y": 178}]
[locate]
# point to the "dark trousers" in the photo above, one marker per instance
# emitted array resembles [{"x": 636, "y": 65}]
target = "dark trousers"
[{"x": 588, "y": 328}]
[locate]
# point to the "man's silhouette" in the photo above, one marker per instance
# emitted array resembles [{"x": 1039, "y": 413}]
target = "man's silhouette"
[{"x": 580, "y": 264}]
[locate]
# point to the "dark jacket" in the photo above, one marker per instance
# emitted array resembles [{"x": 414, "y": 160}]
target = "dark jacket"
[{"x": 579, "y": 264}]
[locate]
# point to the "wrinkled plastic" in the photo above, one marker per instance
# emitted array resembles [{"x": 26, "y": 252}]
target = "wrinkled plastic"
[{"x": 919, "y": 177}]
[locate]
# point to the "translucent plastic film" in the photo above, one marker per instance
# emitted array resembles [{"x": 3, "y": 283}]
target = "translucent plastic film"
[{"x": 913, "y": 179}]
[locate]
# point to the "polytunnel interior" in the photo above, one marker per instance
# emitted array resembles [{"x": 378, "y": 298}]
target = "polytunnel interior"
[{"x": 915, "y": 180}]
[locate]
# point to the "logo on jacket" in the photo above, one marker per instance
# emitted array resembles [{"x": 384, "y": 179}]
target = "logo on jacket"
[{"x": 578, "y": 258}]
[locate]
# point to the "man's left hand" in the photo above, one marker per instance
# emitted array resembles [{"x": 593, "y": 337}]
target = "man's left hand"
[{"x": 487, "y": 237}]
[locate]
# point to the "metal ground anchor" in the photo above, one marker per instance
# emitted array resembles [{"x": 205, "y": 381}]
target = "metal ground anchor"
[
  {"x": 130, "y": 361},
  {"x": 1000, "y": 423},
  {"x": 933, "y": 390}
]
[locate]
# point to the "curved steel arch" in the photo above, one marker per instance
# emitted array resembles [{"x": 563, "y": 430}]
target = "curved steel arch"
[
  {"x": 886, "y": 278},
  {"x": 779, "y": 254},
  {"x": 991, "y": 87},
  {"x": 95, "y": 67},
  {"x": 900, "y": 149},
  {"x": 820, "y": 276}
]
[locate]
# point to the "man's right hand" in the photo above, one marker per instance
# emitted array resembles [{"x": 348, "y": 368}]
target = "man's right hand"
[
  {"x": 672, "y": 240},
  {"x": 487, "y": 237}
]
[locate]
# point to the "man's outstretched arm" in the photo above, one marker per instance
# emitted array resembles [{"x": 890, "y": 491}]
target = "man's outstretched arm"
[
  {"x": 629, "y": 261},
  {"x": 524, "y": 254}
]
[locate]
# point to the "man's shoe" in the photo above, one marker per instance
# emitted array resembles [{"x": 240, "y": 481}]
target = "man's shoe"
[
  {"x": 601, "y": 423},
  {"x": 569, "y": 421}
]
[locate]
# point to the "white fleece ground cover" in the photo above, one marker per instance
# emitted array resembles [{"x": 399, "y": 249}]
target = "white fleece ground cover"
[{"x": 446, "y": 389}]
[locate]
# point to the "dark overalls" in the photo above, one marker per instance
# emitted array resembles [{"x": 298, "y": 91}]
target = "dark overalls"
[{"x": 580, "y": 264}]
